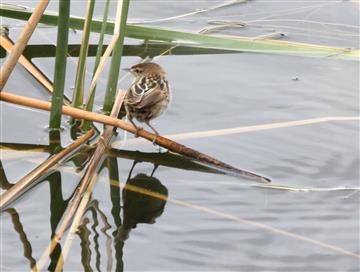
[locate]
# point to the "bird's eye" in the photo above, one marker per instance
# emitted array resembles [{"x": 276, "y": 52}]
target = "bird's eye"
[{"x": 137, "y": 70}]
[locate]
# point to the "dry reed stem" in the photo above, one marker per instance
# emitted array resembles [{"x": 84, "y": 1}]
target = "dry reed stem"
[
  {"x": 79, "y": 201},
  {"x": 72, "y": 208},
  {"x": 7, "y": 44},
  {"x": 246, "y": 129},
  {"x": 23, "y": 184},
  {"x": 161, "y": 141},
  {"x": 101, "y": 65},
  {"x": 21, "y": 42},
  {"x": 85, "y": 188},
  {"x": 87, "y": 184},
  {"x": 253, "y": 128}
]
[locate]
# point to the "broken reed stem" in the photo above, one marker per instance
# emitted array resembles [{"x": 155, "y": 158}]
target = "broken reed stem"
[
  {"x": 87, "y": 184},
  {"x": 161, "y": 141},
  {"x": 23, "y": 184},
  {"x": 21, "y": 42},
  {"x": 8, "y": 45},
  {"x": 73, "y": 206},
  {"x": 88, "y": 181},
  {"x": 78, "y": 204}
]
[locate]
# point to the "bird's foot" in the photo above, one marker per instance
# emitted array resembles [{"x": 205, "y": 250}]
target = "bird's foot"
[
  {"x": 158, "y": 147},
  {"x": 137, "y": 131},
  {"x": 154, "y": 140}
]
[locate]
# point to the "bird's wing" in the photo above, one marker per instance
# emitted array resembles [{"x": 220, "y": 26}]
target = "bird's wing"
[
  {"x": 152, "y": 97},
  {"x": 147, "y": 92}
]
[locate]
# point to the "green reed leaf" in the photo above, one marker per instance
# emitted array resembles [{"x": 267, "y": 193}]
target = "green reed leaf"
[{"x": 203, "y": 41}]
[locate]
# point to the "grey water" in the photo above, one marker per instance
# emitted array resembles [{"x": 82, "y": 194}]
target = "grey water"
[{"x": 307, "y": 221}]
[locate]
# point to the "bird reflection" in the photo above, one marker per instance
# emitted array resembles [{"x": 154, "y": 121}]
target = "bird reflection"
[{"x": 144, "y": 199}]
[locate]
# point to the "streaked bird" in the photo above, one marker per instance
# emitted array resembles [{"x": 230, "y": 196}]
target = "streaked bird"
[{"x": 148, "y": 96}]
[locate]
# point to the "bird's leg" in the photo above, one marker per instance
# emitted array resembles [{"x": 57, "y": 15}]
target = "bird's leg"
[
  {"x": 136, "y": 127},
  {"x": 132, "y": 168},
  {"x": 155, "y": 167},
  {"x": 156, "y": 133}
]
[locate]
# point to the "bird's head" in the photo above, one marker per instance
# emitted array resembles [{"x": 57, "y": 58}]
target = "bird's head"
[{"x": 148, "y": 68}]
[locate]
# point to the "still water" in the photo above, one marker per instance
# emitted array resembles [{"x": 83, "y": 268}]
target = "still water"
[{"x": 308, "y": 220}]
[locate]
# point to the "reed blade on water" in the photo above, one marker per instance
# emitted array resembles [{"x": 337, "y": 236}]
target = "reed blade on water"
[
  {"x": 239, "y": 44},
  {"x": 150, "y": 49}
]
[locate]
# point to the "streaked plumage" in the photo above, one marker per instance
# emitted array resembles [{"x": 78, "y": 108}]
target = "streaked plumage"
[{"x": 149, "y": 95}]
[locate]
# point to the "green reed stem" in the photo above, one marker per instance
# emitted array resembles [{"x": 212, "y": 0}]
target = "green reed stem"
[
  {"x": 90, "y": 102},
  {"x": 78, "y": 95},
  {"x": 116, "y": 58},
  {"x": 60, "y": 64}
]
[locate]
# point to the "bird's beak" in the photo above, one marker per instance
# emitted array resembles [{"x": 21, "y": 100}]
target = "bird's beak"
[{"x": 126, "y": 69}]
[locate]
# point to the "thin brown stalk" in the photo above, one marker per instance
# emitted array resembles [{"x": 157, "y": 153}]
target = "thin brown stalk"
[
  {"x": 83, "y": 195},
  {"x": 85, "y": 188},
  {"x": 89, "y": 176},
  {"x": 24, "y": 184},
  {"x": 80, "y": 200},
  {"x": 8, "y": 45},
  {"x": 246, "y": 129},
  {"x": 161, "y": 141},
  {"x": 21, "y": 42},
  {"x": 101, "y": 66}
]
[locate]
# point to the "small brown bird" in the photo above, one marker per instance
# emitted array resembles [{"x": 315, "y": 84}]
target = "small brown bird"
[{"x": 149, "y": 95}]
